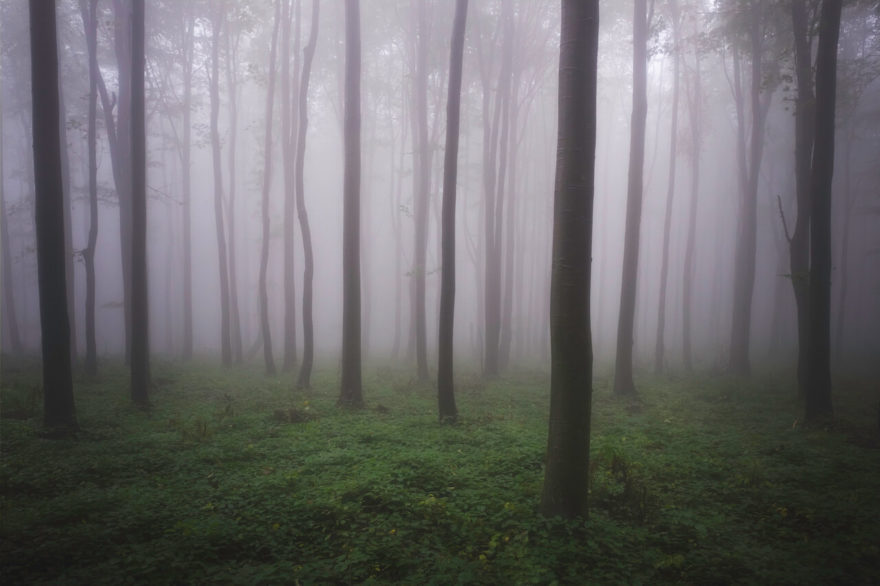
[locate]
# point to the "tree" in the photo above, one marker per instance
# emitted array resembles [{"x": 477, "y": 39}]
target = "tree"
[
  {"x": 288, "y": 149},
  {"x": 89, "y": 12},
  {"x": 659, "y": 345},
  {"x": 445, "y": 382},
  {"x": 817, "y": 400},
  {"x": 350, "y": 392},
  {"x": 59, "y": 412},
  {"x": 695, "y": 112},
  {"x": 305, "y": 370},
  {"x": 10, "y": 317},
  {"x": 140, "y": 347},
  {"x": 217, "y": 20},
  {"x": 567, "y": 474},
  {"x": 267, "y": 184},
  {"x": 623, "y": 376},
  {"x": 187, "y": 52}
]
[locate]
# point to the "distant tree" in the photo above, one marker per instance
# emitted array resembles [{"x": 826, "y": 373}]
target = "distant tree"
[
  {"x": 89, "y": 10},
  {"x": 217, "y": 19},
  {"x": 445, "y": 380},
  {"x": 623, "y": 376},
  {"x": 58, "y": 405},
  {"x": 288, "y": 150},
  {"x": 10, "y": 317},
  {"x": 659, "y": 345},
  {"x": 187, "y": 52},
  {"x": 267, "y": 184},
  {"x": 817, "y": 400},
  {"x": 567, "y": 474},
  {"x": 305, "y": 370},
  {"x": 350, "y": 392},
  {"x": 140, "y": 346}
]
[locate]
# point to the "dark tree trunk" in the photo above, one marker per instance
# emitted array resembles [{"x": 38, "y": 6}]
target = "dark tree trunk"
[
  {"x": 623, "y": 376},
  {"x": 350, "y": 392},
  {"x": 140, "y": 346},
  {"x": 267, "y": 184},
  {"x": 90, "y": 24},
  {"x": 445, "y": 381},
  {"x": 232, "y": 90},
  {"x": 817, "y": 404},
  {"x": 186, "y": 172},
  {"x": 695, "y": 113},
  {"x": 288, "y": 149},
  {"x": 58, "y": 407},
  {"x": 659, "y": 344},
  {"x": 304, "y": 379},
  {"x": 421, "y": 187},
  {"x": 225, "y": 341},
  {"x": 746, "y": 242},
  {"x": 567, "y": 474}
]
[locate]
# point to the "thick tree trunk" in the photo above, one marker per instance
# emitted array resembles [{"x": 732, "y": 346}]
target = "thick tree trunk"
[
  {"x": 817, "y": 404},
  {"x": 567, "y": 475},
  {"x": 225, "y": 342},
  {"x": 304, "y": 380},
  {"x": 265, "y": 329},
  {"x": 90, "y": 25},
  {"x": 623, "y": 376},
  {"x": 445, "y": 380},
  {"x": 350, "y": 392},
  {"x": 58, "y": 406},
  {"x": 659, "y": 344},
  {"x": 140, "y": 346}
]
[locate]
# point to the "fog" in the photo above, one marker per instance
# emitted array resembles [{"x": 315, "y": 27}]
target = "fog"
[{"x": 528, "y": 124}]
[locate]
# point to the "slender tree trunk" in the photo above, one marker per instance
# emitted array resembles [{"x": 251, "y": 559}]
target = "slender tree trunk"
[
  {"x": 304, "y": 379},
  {"x": 350, "y": 393},
  {"x": 288, "y": 142},
  {"x": 58, "y": 406},
  {"x": 232, "y": 89},
  {"x": 659, "y": 345},
  {"x": 90, "y": 24},
  {"x": 267, "y": 184},
  {"x": 695, "y": 109},
  {"x": 817, "y": 404},
  {"x": 445, "y": 380},
  {"x": 225, "y": 342},
  {"x": 567, "y": 475},
  {"x": 623, "y": 376},
  {"x": 122, "y": 170},
  {"x": 140, "y": 346},
  {"x": 68, "y": 226},
  {"x": 186, "y": 172}
]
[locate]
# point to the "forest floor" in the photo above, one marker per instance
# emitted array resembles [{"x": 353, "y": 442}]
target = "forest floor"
[{"x": 232, "y": 477}]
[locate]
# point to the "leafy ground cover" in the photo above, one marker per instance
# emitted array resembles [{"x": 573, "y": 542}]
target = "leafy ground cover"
[{"x": 235, "y": 478}]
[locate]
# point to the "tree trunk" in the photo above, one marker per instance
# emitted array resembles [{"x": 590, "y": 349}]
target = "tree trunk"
[
  {"x": 288, "y": 149},
  {"x": 695, "y": 113},
  {"x": 659, "y": 344},
  {"x": 140, "y": 347},
  {"x": 90, "y": 24},
  {"x": 68, "y": 226},
  {"x": 304, "y": 379},
  {"x": 122, "y": 169},
  {"x": 186, "y": 172},
  {"x": 623, "y": 376},
  {"x": 267, "y": 184},
  {"x": 445, "y": 380},
  {"x": 350, "y": 392},
  {"x": 567, "y": 474},
  {"x": 10, "y": 317},
  {"x": 225, "y": 343},
  {"x": 232, "y": 90},
  {"x": 817, "y": 404},
  {"x": 58, "y": 407}
]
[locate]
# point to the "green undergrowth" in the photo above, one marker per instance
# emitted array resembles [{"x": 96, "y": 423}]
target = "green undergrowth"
[{"x": 232, "y": 477}]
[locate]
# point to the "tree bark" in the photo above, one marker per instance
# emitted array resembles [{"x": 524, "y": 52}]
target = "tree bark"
[
  {"x": 445, "y": 379},
  {"x": 304, "y": 379},
  {"x": 623, "y": 376},
  {"x": 267, "y": 184},
  {"x": 58, "y": 405},
  {"x": 350, "y": 392},
  {"x": 218, "y": 17},
  {"x": 817, "y": 404},
  {"x": 567, "y": 474},
  {"x": 140, "y": 347}
]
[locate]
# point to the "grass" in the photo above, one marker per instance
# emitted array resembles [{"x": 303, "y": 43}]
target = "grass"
[{"x": 235, "y": 478}]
